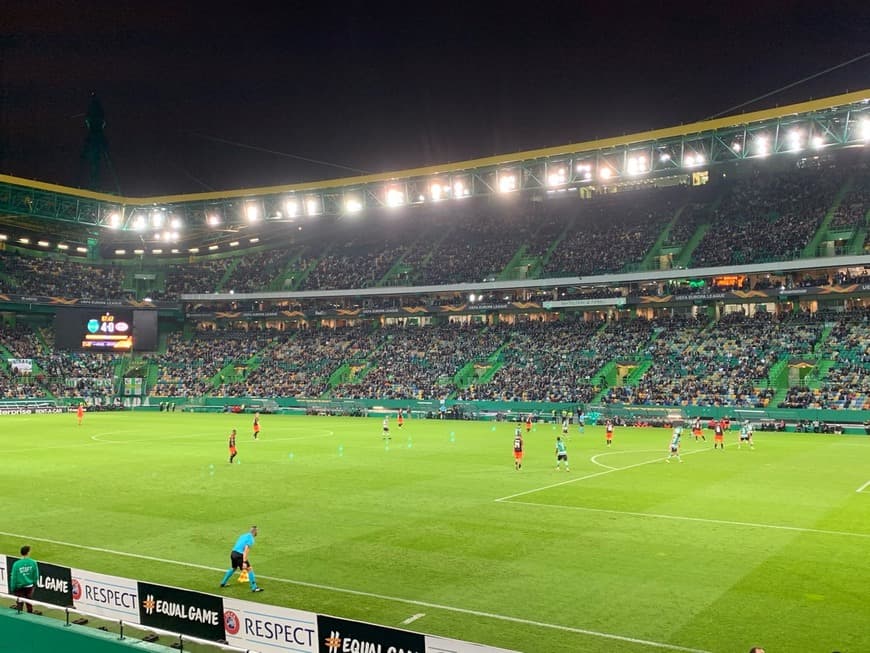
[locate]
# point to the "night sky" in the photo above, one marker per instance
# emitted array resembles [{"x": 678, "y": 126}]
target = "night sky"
[{"x": 374, "y": 87}]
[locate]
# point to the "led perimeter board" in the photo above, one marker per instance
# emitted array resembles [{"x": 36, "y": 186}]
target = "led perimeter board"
[{"x": 105, "y": 329}]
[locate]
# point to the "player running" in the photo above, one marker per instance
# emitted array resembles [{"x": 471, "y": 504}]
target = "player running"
[
  {"x": 386, "y": 427},
  {"x": 232, "y": 445},
  {"x": 518, "y": 449},
  {"x": 256, "y": 426},
  {"x": 561, "y": 454},
  {"x": 675, "y": 444},
  {"x": 565, "y": 422},
  {"x": 528, "y": 422},
  {"x": 400, "y": 420}
]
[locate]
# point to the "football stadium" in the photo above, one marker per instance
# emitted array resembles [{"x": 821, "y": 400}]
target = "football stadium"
[{"x": 606, "y": 396}]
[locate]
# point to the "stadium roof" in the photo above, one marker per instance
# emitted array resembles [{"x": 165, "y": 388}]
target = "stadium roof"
[{"x": 837, "y": 121}]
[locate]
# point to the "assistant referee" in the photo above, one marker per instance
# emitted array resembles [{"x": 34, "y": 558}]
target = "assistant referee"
[{"x": 239, "y": 559}]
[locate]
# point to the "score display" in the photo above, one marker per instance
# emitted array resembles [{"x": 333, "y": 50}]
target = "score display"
[
  {"x": 108, "y": 332},
  {"x": 105, "y": 329}
]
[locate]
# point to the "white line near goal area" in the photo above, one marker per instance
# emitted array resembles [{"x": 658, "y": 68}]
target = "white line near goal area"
[
  {"x": 863, "y": 487},
  {"x": 384, "y": 597}
]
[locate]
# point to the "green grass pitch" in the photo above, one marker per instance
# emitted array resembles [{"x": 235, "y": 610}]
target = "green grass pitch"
[{"x": 623, "y": 553}]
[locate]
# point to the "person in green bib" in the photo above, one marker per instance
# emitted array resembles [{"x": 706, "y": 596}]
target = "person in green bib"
[{"x": 23, "y": 578}]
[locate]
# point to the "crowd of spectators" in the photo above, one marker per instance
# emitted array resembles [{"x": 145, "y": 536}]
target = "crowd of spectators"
[
  {"x": 614, "y": 231},
  {"x": 300, "y": 363},
  {"x": 853, "y": 207},
  {"x": 727, "y": 364},
  {"x": 544, "y": 362},
  {"x": 54, "y": 277},
  {"x": 846, "y": 385},
  {"x": 257, "y": 271},
  {"x": 765, "y": 217},
  {"x": 421, "y": 362}
]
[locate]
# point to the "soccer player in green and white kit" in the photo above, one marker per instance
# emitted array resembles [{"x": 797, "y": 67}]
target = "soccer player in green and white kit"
[{"x": 561, "y": 454}]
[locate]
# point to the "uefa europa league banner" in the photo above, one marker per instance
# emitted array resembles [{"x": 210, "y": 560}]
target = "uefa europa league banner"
[
  {"x": 181, "y": 611},
  {"x": 54, "y": 586}
]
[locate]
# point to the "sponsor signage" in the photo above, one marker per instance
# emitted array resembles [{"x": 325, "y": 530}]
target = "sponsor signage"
[
  {"x": 4, "y": 582},
  {"x": 108, "y": 596},
  {"x": 55, "y": 583},
  {"x": 181, "y": 611},
  {"x": 21, "y": 365},
  {"x": 31, "y": 410},
  {"x": 268, "y": 628},
  {"x": 342, "y": 636},
  {"x": 592, "y": 301}
]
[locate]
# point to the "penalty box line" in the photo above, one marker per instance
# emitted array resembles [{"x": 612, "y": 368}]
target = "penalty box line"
[
  {"x": 374, "y": 595},
  {"x": 863, "y": 487},
  {"x": 577, "y": 479}
]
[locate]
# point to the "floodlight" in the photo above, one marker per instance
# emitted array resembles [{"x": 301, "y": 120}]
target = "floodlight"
[
  {"x": 138, "y": 251},
  {"x": 605, "y": 172},
  {"x": 762, "y": 145},
  {"x": 120, "y": 252},
  {"x": 436, "y": 190},
  {"x": 214, "y": 220},
  {"x": 352, "y": 205},
  {"x": 864, "y": 129},
  {"x": 175, "y": 223},
  {"x": 736, "y": 147},
  {"x": 114, "y": 220},
  {"x": 4, "y": 237},
  {"x": 194, "y": 250},
  {"x": 82, "y": 250},
  {"x": 139, "y": 222},
  {"x": 257, "y": 240},
  {"x": 235, "y": 243},
  {"x": 252, "y": 212},
  {"x": 312, "y": 206},
  {"x": 157, "y": 218},
  {"x": 292, "y": 207},
  {"x": 24, "y": 241},
  {"x": 794, "y": 139},
  {"x": 156, "y": 251},
  {"x": 664, "y": 156},
  {"x": 689, "y": 160},
  {"x": 212, "y": 248},
  {"x": 395, "y": 197},
  {"x": 62, "y": 246},
  {"x": 459, "y": 189},
  {"x": 174, "y": 250},
  {"x": 42, "y": 243},
  {"x": 557, "y": 177},
  {"x": 818, "y": 142},
  {"x": 507, "y": 182}
]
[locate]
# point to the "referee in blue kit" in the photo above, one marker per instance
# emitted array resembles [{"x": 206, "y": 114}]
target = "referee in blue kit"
[{"x": 239, "y": 559}]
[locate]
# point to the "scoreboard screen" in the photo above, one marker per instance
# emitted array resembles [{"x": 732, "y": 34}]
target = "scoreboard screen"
[{"x": 105, "y": 329}]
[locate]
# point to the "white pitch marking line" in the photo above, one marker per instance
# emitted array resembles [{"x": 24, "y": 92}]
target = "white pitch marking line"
[
  {"x": 596, "y": 474},
  {"x": 704, "y": 520},
  {"x": 384, "y": 597},
  {"x": 594, "y": 459},
  {"x": 861, "y": 489},
  {"x": 413, "y": 618}
]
